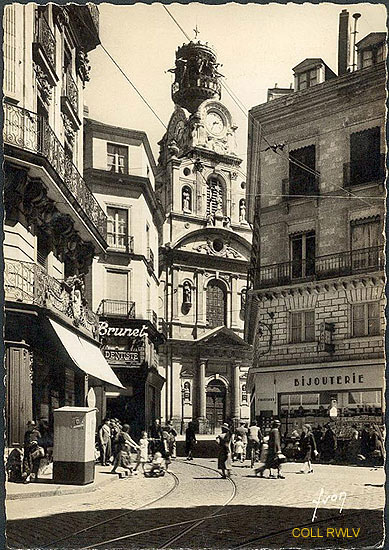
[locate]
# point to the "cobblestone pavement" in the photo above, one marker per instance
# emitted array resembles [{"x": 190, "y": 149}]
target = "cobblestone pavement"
[{"x": 261, "y": 514}]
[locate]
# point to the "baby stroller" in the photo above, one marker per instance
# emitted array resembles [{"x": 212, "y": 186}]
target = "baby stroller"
[{"x": 157, "y": 468}]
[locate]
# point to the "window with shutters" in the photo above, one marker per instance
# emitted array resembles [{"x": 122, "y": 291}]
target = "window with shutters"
[
  {"x": 117, "y": 285},
  {"x": 366, "y": 319},
  {"x": 302, "y": 171},
  {"x": 10, "y": 51},
  {"x": 365, "y": 156},
  {"x": 117, "y": 158},
  {"x": 117, "y": 228},
  {"x": 216, "y": 304},
  {"x": 302, "y": 326},
  {"x": 303, "y": 254},
  {"x": 307, "y": 79}
]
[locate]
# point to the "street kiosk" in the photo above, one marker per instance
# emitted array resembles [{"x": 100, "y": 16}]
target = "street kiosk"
[{"x": 74, "y": 445}]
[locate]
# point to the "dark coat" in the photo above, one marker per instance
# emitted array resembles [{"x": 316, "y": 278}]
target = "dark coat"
[
  {"x": 190, "y": 439},
  {"x": 308, "y": 446},
  {"x": 224, "y": 461},
  {"x": 273, "y": 449}
]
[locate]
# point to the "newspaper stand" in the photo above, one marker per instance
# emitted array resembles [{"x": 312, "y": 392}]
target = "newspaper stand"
[{"x": 74, "y": 445}]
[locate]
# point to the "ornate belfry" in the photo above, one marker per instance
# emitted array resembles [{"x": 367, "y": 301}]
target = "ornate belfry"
[{"x": 205, "y": 249}]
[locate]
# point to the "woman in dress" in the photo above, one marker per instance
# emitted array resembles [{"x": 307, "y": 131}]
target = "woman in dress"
[
  {"x": 190, "y": 441},
  {"x": 224, "y": 462},
  {"x": 308, "y": 448}
]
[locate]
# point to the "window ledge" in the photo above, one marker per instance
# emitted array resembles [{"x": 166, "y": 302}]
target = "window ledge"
[
  {"x": 296, "y": 344},
  {"x": 367, "y": 338}
]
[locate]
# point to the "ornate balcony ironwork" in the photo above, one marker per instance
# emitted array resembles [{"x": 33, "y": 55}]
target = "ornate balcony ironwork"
[
  {"x": 116, "y": 308},
  {"x": 29, "y": 131},
  {"x": 45, "y": 39},
  {"x": 323, "y": 267},
  {"x": 30, "y": 283},
  {"x": 71, "y": 91}
]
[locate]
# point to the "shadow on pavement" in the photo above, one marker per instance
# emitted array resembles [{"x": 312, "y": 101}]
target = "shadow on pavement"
[{"x": 260, "y": 526}]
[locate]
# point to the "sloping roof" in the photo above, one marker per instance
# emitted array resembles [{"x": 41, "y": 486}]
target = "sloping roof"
[
  {"x": 371, "y": 40},
  {"x": 222, "y": 335},
  {"x": 308, "y": 63}
]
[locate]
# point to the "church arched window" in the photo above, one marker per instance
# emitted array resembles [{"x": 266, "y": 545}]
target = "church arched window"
[
  {"x": 216, "y": 304},
  {"x": 215, "y": 195},
  {"x": 186, "y": 199}
]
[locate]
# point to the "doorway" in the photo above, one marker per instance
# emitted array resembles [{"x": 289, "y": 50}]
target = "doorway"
[{"x": 215, "y": 404}]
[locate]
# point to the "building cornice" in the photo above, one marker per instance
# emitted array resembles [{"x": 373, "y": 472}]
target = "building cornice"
[{"x": 328, "y": 365}]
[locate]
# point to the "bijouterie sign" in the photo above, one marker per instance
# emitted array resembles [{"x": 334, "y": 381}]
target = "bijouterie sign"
[
  {"x": 106, "y": 330},
  {"x": 336, "y": 380}
]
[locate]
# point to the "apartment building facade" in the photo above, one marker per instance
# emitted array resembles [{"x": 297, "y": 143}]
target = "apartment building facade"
[
  {"x": 123, "y": 283},
  {"x": 316, "y": 302},
  {"x": 53, "y": 225}
]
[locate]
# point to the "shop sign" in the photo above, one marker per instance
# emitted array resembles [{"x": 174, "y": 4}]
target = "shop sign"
[
  {"x": 338, "y": 380},
  {"x": 106, "y": 330},
  {"x": 130, "y": 358}
]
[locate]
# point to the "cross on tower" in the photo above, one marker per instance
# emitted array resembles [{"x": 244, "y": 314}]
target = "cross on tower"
[{"x": 196, "y": 31}]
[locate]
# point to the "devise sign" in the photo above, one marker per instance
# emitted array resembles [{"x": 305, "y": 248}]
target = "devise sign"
[
  {"x": 106, "y": 330},
  {"x": 330, "y": 380}
]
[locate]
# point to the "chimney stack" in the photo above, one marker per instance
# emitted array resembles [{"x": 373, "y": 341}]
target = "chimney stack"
[{"x": 343, "y": 42}]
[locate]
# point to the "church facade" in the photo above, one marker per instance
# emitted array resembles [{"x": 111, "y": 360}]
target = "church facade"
[{"x": 204, "y": 254}]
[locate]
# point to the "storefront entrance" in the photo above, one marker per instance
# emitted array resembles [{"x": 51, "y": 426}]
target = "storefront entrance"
[{"x": 215, "y": 404}]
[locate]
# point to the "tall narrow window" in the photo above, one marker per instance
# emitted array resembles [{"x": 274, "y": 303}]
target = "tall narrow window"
[
  {"x": 366, "y": 319},
  {"x": 365, "y": 241},
  {"x": 10, "y": 50},
  {"x": 216, "y": 304},
  {"x": 365, "y": 157},
  {"x": 117, "y": 228},
  {"x": 215, "y": 196},
  {"x": 303, "y": 251},
  {"x": 302, "y": 326},
  {"x": 117, "y": 286},
  {"x": 302, "y": 167},
  {"x": 117, "y": 158}
]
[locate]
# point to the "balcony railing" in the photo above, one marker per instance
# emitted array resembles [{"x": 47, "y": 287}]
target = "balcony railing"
[
  {"x": 322, "y": 267},
  {"x": 150, "y": 258},
  {"x": 71, "y": 91},
  {"x": 122, "y": 246},
  {"x": 46, "y": 40},
  {"x": 31, "y": 132},
  {"x": 355, "y": 173},
  {"x": 117, "y": 308},
  {"x": 153, "y": 317},
  {"x": 30, "y": 283}
]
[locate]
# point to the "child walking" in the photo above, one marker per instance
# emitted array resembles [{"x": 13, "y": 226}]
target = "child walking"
[
  {"x": 239, "y": 448},
  {"x": 143, "y": 452}
]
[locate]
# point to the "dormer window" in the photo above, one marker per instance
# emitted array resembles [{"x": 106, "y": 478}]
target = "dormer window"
[
  {"x": 371, "y": 50},
  {"x": 307, "y": 79}
]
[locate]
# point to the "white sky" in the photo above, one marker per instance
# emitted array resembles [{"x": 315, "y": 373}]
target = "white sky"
[{"x": 257, "y": 44}]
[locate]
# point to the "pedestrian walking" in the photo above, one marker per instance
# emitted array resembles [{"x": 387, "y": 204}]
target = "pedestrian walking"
[
  {"x": 224, "y": 462},
  {"x": 143, "y": 452},
  {"x": 172, "y": 440},
  {"x": 263, "y": 455},
  {"x": 329, "y": 444},
  {"x": 274, "y": 457},
  {"x": 105, "y": 442},
  {"x": 125, "y": 444},
  {"x": 308, "y": 448},
  {"x": 365, "y": 442},
  {"x": 156, "y": 437},
  {"x": 238, "y": 449},
  {"x": 190, "y": 441},
  {"x": 254, "y": 440},
  {"x": 242, "y": 432},
  {"x": 354, "y": 446}
]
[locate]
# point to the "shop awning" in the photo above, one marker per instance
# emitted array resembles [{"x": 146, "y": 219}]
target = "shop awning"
[{"x": 86, "y": 355}]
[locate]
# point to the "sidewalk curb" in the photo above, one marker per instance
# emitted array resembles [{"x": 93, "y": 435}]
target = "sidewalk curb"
[{"x": 71, "y": 490}]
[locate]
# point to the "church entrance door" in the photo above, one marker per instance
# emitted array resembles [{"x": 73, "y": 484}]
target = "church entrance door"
[{"x": 215, "y": 404}]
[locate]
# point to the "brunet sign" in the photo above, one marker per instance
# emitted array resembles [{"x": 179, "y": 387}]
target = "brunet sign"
[{"x": 106, "y": 330}]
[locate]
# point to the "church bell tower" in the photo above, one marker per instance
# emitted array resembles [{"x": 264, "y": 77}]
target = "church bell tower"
[{"x": 205, "y": 249}]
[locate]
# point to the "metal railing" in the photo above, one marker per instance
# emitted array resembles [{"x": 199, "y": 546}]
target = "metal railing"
[
  {"x": 153, "y": 317},
  {"x": 129, "y": 247},
  {"x": 45, "y": 38},
  {"x": 71, "y": 91},
  {"x": 31, "y": 132},
  {"x": 322, "y": 267},
  {"x": 198, "y": 81},
  {"x": 116, "y": 308},
  {"x": 29, "y": 283},
  {"x": 355, "y": 173}
]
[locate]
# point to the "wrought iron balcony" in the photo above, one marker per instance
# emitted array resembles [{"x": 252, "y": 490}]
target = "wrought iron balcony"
[
  {"x": 28, "y": 131},
  {"x": 70, "y": 92},
  {"x": 117, "y": 308},
  {"x": 323, "y": 267},
  {"x": 45, "y": 40},
  {"x": 356, "y": 173},
  {"x": 30, "y": 283},
  {"x": 153, "y": 317},
  {"x": 121, "y": 246},
  {"x": 150, "y": 258}
]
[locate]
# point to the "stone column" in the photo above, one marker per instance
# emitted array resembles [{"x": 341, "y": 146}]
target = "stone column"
[
  {"x": 236, "y": 393},
  {"x": 202, "y": 412}
]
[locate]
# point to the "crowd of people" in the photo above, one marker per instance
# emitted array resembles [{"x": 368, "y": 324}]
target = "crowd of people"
[
  {"x": 154, "y": 451},
  {"x": 270, "y": 449}
]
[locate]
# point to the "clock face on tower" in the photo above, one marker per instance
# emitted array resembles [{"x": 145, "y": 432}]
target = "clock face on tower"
[{"x": 215, "y": 123}]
